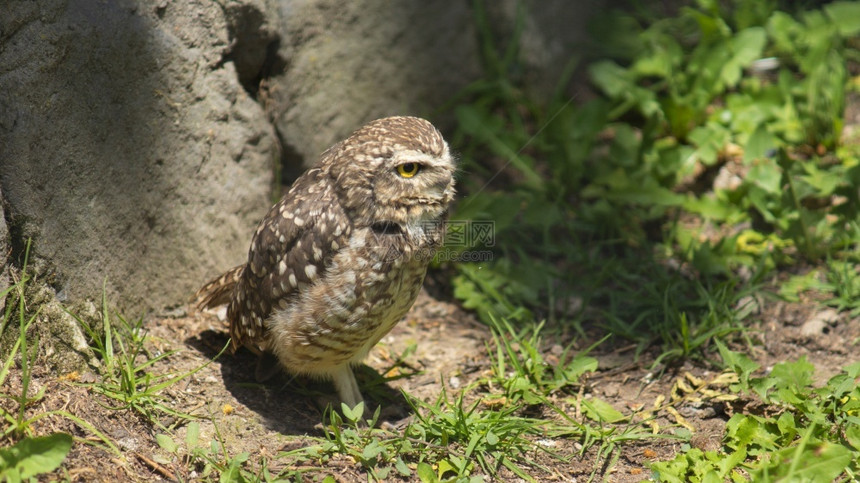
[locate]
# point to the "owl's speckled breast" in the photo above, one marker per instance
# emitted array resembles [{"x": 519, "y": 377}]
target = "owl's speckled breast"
[{"x": 367, "y": 289}]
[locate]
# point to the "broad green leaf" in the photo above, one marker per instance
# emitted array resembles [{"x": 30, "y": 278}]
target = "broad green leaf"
[
  {"x": 838, "y": 386},
  {"x": 766, "y": 174},
  {"x": 710, "y": 207},
  {"x": 402, "y": 468},
  {"x": 822, "y": 182},
  {"x": 797, "y": 284},
  {"x": 446, "y": 466},
  {"x": 645, "y": 191},
  {"x": 232, "y": 474},
  {"x": 624, "y": 149},
  {"x": 852, "y": 435},
  {"x": 690, "y": 466},
  {"x": 783, "y": 29},
  {"x": 665, "y": 54},
  {"x": 713, "y": 27},
  {"x": 746, "y": 46},
  {"x": 822, "y": 462},
  {"x": 579, "y": 366},
  {"x": 600, "y": 410},
  {"x": 846, "y": 16},
  {"x": 738, "y": 362},
  {"x": 826, "y": 462},
  {"x": 746, "y": 432},
  {"x": 726, "y": 463},
  {"x": 381, "y": 473},
  {"x": 352, "y": 414},
  {"x": 786, "y": 426},
  {"x": 33, "y": 456},
  {"x": 853, "y": 370},
  {"x": 657, "y": 65},
  {"x": 610, "y": 77},
  {"x": 681, "y": 112},
  {"x": 709, "y": 140},
  {"x": 759, "y": 144},
  {"x": 372, "y": 450},
  {"x": 425, "y": 473},
  {"x": 794, "y": 375},
  {"x": 166, "y": 443},
  {"x": 191, "y": 434}
]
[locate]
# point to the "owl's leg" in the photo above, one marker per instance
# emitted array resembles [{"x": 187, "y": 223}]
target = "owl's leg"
[{"x": 346, "y": 386}]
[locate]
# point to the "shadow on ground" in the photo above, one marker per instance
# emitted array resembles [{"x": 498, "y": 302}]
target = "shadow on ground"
[{"x": 289, "y": 404}]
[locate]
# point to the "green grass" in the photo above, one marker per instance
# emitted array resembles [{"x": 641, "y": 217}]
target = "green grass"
[
  {"x": 126, "y": 372},
  {"x": 31, "y": 455},
  {"x": 521, "y": 372},
  {"x": 838, "y": 281},
  {"x": 212, "y": 459},
  {"x": 25, "y": 350}
]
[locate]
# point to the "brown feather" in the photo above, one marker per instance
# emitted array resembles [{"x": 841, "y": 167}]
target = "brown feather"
[{"x": 218, "y": 291}]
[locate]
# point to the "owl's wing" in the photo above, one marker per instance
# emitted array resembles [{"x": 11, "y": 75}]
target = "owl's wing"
[{"x": 291, "y": 249}]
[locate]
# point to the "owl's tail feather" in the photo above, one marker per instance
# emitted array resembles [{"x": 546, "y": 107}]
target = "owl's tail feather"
[{"x": 218, "y": 291}]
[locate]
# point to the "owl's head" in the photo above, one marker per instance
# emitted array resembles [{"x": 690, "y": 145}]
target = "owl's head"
[{"x": 395, "y": 170}]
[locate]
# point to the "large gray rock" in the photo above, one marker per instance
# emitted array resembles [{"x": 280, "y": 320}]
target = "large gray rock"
[
  {"x": 129, "y": 151},
  {"x": 350, "y": 62},
  {"x": 138, "y": 137},
  {"x": 551, "y": 36}
]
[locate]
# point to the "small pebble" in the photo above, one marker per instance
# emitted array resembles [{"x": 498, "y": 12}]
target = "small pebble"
[{"x": 454, "y": 382}]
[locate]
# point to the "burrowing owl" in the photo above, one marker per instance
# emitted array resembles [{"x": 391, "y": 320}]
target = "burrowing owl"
[{"x": 338, "y": 261}]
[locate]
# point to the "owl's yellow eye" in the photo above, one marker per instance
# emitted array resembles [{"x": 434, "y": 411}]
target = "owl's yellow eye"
[{"x": 408, "y": 170}]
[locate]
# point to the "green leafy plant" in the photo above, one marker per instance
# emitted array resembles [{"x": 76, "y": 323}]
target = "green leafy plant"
[
  {"x": 378, "y": 452},
  {"x": 813, "y": 436},
  {"x": 660, "y": 209},
  {"x": 612, "y": 201},
  {"x": 33, "y": 456},
  {"x": 699, "y": 108}
]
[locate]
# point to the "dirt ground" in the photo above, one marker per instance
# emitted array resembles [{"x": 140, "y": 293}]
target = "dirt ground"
[{"x": 450, "y": 348}]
